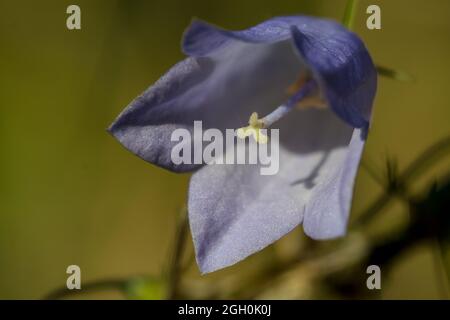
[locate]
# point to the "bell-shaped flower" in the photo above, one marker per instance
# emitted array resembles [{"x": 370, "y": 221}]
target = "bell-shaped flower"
[{"x": 312, "y": 79}]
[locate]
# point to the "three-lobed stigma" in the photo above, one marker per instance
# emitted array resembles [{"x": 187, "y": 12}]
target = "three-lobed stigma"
[{"x": 253, "y": 129}]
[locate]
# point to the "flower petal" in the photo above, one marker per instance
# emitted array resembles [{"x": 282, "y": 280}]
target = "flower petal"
[
  {"x": 146, "y": 125},
  {"x": 343, "y": 68},
  {"x": 337, "y": 58},
  {"x": 234, "y": 211},
  {"x": 234, "y": 73},
  {"x": 221, "y": 90},
  {"x": 327, "y": 212},
  {"x": 203, "y": 39}
]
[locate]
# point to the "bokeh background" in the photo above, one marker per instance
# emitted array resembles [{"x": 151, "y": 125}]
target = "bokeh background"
[{"x": 70, "y": 194}]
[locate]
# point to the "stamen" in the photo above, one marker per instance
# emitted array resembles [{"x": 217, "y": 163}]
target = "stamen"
[
  {"x": 256, "y": 124},
  {"x": 284, "y": 109}
]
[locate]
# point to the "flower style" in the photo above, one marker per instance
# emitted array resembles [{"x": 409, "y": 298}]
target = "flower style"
[{"x": 312, "y": 79}]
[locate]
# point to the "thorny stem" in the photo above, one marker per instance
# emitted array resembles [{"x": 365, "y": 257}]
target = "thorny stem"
[
  {"x": 372, "y": 172},
  {"x": 425, "y": 160}
]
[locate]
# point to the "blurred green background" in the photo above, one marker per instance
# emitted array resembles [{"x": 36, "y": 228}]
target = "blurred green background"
[{"x": 70, "y": 194}]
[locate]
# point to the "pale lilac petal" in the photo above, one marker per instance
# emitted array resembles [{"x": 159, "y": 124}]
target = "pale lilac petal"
[
  {"x": 221, "y": 90},
  {"x": 327, "y": 212},
  {"x": 235, "y": 211}
]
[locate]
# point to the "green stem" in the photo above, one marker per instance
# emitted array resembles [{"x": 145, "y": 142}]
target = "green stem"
[
  {"x": 394, "y": 74},
  {"x": 175, "y": 264},
  {"x": 350, "y": 14},
  {"x": 99, "y": 285},
  {"x": 370, "y": 169},
  {"x": 425, "y": 160}
]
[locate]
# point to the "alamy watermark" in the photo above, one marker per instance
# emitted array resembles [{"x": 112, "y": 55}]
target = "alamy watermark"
[
  {"x": 374, "y": 279},
  {"x": 74, "y": 278},
  {"x": 373, "y": 21},
  {"x": 213, "y": 146},
  {"x": 73, "y": 21}
]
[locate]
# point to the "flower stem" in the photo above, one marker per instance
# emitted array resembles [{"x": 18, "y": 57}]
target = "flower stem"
[
  {"x": 394, "y": 74},
  {"x": 175, "y": 267},
  {"x": 418, "y": 166},
  {"x": 350, "y": 14},
  {"x": 426, "y": 159},
  {"x": 370, "y": 169},
  {"x": 97, "y": 285}
]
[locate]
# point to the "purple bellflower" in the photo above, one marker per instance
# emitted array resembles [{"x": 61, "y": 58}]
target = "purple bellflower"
[{"x": 312, "y": 79}]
